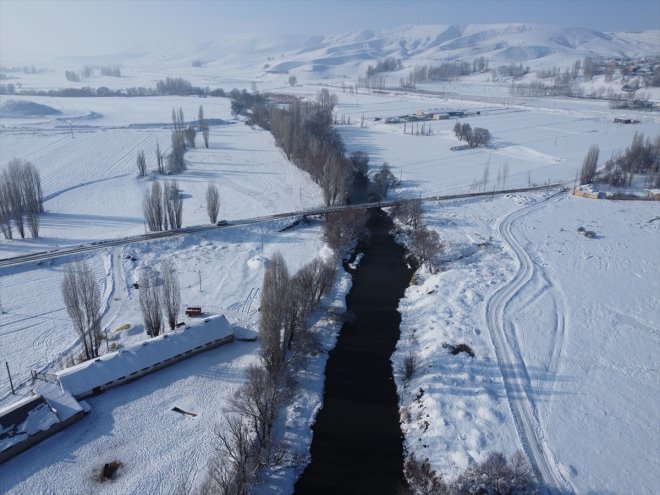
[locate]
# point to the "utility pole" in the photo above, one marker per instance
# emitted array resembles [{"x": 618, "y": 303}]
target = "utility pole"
[
  {"x": 71, "y": 128},
  {"x": 13, "y": 392}
]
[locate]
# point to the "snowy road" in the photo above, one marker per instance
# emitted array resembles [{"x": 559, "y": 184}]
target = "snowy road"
[{"x": 512, "y": 364}]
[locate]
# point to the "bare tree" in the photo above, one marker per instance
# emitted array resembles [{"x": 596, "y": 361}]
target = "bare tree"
[
  {"x": 409, "y": 212},
  {"x": 171, "y": 292},
  {"x": 212, "y": 202},
  {"x": 5, "y": 209},
  {"x": 335, "y": 179},
  {"x": 82, "y": 299},
  {"x": 484, "y": 177},
  {"x": 233, "y": 468},
  {"x": 381, "y": 182},
  {"x": 257, "y": 402},
  {"x": 463, "y": 131},
  {"x": 203, "y": 126},
  {"x": 589, "y": 165},
  {"x": 326, "y": 99},
  {"x": 175, "y": 162},
  {"x": 274, "y": 301},
  {"x": 173, "y": 205},
  {"x": 422, "y": 479},
  {"x": 150, "y": 303},
  {"x": 426, "y": 245},
  {"x": 159, "y": 160},
  {"x": 458, "y": 131},
  {"x": 495, "y": 475},
  {"x": 153, "y": 208},
  {"x": 478, "y": 136},
  {"x": 360, "y": 163},
  {"x": 141, "y": 164},
  {"x": 178, "y": 121},
  {"x": 190, "y": 135},
  {"x": 22, "y": 198},
  {"x": 343, "y": 228},
  {"x": 293, "y": 80}
]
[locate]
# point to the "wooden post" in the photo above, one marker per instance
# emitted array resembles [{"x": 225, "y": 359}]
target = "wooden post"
[{"x": 13, "y": 392}]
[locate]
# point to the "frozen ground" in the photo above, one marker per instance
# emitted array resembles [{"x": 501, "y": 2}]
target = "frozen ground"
[
  {"x": 546, "y": 310},
  {"x": 565, "y": 335}
]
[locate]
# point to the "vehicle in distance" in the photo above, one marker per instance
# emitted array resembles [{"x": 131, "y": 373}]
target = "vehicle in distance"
[{"x": 220, "y": 223}]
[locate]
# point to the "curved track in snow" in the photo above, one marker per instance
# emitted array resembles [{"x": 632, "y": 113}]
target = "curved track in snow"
[{"x": 512, "y": 365}]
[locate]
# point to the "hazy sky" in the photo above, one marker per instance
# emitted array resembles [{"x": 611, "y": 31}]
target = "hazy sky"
[{"x": 39, "y": 29}]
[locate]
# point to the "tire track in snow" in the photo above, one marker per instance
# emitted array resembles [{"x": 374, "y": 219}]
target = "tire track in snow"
[{"x": 512, "y": 365}]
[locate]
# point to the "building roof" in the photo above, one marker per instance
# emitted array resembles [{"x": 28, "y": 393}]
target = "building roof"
[{"x": 81, "y": 379}]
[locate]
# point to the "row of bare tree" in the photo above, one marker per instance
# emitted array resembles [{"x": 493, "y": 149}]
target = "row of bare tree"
[
  {"x": 158, "y": 297},
  {"x": 245, "y": 444},
  {"x": 21, "y": 199},
  {"x": 305, "y": 133},
  {"x": 474, "y": 137},
  {"x": 495, "y": 475},
  {"x": 163, "y": 207},
  {"x": 641, "y": 157},
  {"x": 424, "y": 244},
  {"x": 82, "y": 298}
]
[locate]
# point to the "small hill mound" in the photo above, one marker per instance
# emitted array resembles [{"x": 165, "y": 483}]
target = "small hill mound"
[{"x": 23, "y": 108}]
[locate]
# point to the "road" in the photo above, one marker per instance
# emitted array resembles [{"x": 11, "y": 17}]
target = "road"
[
  {"x": 37, "y": 257},
  {"x": 520, "y": 393}
]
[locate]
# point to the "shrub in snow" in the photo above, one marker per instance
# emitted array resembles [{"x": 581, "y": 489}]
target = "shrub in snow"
[
  {"x": 422, "y": 480},
  {"x": 409, "y": 365},
  {"x": 462, "y": 348},
  {"x": 496, "y": 476}
]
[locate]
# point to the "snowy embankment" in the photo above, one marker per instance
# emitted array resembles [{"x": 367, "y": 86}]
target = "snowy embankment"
[
  {"x": 161, "y": 449},
  {"x": 565, "y": 336}
]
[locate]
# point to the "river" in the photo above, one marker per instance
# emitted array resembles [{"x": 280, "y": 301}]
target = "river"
[{"x": 357, "y": 445}]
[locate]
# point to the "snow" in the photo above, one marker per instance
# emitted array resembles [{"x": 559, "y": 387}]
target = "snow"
[
  {"x": 60, "y": 401},
  {"x": 564, "y": 328},
  {"x": 135, "y": 424},
  {"x": 570, "y": 366},
  {"x": 38, "y": 417},
  {"x": 81, "y": 380}
]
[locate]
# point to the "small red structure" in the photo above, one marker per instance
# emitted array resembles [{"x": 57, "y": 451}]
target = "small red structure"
[{"x": 193, "y": 311}]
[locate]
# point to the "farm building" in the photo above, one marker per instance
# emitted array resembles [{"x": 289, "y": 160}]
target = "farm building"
[
  {"x": 125, "y": 365},
  {"x": 35, "y": 418}
]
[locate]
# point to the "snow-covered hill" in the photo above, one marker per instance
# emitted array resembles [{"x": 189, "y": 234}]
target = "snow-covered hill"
[
  {"x": 501, "y": 43},
  {"x": 350, "y": 53}
]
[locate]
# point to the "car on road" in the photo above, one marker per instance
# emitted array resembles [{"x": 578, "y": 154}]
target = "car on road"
[{"x": 220, "y": 223}]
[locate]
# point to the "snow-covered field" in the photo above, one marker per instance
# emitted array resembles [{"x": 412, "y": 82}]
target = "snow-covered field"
[
  {"x": 565, "y": 335},
  {"x": 90, "y": 183},
  {"x": 564, "y": 328}
]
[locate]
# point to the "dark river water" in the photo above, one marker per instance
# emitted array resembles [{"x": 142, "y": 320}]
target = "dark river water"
[{"x": 357, "y": 445}]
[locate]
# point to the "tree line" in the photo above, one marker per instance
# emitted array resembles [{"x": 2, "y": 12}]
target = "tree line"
[
  {"x": 82, "y": 298},
  {"x": 442, "y": 72},
  {"x": 246, "y": 444},
  {"x": 21, "y": 199},
  {"x": 642, "y": 157},
  {"x": 474, "y": 137},
  {"x": 163, "y": 206},
  {"x": 167, "y": 87}
]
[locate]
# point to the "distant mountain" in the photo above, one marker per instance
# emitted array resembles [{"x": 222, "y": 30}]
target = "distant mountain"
[
  {"x": 349, "y": 54},
  {"x": 501, "y": 43}
]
